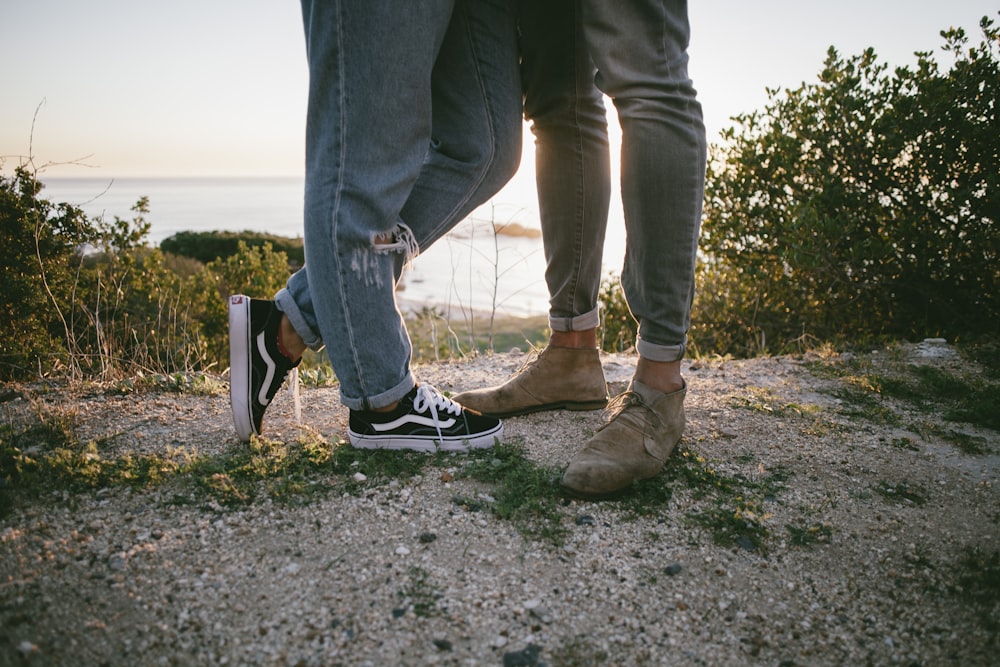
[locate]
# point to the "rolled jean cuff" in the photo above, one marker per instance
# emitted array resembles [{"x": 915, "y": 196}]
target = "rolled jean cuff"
[
  {"x": 576, "y": 323},
  {"x": 286, "y": 304},
  {"x": 664, "y": 353},
  {"x": 385, "y": 399}
]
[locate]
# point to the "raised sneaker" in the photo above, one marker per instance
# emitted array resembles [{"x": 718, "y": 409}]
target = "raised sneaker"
[
  {"x": 425, "y": 421},
  {"x": 257, "y": 368}
]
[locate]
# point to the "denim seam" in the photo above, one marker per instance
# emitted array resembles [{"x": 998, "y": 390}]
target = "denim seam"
[
  {"x": 489, "y": 119},
  {"x": 335, "y": 211}
]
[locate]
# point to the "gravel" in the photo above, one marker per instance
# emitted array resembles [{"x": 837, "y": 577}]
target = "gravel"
[{"x": 401, "y": 574}]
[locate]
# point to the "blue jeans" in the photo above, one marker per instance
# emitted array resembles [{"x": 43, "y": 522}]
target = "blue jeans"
[
  {"x": 414, "y": 120},
  {"x": 635, "y": 52}
]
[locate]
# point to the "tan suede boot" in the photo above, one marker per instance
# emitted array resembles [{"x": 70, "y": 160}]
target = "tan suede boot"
[
  {"x": 633, "y": 445},
  {"x": 559, "y": 378}
]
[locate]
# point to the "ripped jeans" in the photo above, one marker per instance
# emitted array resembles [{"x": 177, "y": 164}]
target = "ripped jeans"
[{"x": 414, "y": 120}]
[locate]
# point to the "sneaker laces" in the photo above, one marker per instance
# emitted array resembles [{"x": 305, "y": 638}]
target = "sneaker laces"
[{"x": 429, "y": 398}]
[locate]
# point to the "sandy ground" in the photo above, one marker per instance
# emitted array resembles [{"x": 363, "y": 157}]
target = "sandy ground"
[{"x": 877, "y": 534}]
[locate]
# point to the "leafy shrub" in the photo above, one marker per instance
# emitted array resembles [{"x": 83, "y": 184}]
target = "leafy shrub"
[
  {"x": 618, "y": 329},
  {"x": 209, "y": 246},
  {"x": 864, "y": 205},
  {"x": 90, "y": 295},
  {"x": 255, "y": 271},
  {"x": 40, "y": 244}
]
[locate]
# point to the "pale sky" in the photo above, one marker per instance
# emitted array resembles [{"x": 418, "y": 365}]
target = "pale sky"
[{"x": 217, "y": 87}]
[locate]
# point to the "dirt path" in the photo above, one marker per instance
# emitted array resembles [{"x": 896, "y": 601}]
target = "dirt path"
[{"x": 806, "y": 520}]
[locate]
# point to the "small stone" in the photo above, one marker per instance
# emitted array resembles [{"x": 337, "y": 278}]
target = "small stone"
[
  {"x": 673, "y": 570},
  {"x": 528, "y": 657},
  {"x": 585, "y": 520},
  {"x": 26, "y": 648},
  {"x": 543, "y": 614},
  {"x": 427, "y": 538},
  {"x": 442, "y": 644},
  {"x": 360, "y": 477},
  {"x": 402, "y": 551}
]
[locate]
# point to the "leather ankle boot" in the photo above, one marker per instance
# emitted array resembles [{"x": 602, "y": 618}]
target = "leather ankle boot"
[
  {"x": 558, "y": 378},
  {"x": 645, "y": 427}
]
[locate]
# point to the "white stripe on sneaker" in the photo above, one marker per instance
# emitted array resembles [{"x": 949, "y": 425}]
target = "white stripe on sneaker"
[
  {"x": 271, "y": 368},
  {"x": 414, "y": 419}
]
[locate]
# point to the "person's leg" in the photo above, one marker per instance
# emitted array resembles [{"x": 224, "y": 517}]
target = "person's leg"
[
  {"x": 572, "y": 175},
  {"x": 475, "y": 144},
  {"x": 663, "y": 160},
  {"x": 663, "y": 170},
  {"x": 357, "y": 261},
  {"x": 572, "y": 162},
  {"x": 367, "y": 131}
]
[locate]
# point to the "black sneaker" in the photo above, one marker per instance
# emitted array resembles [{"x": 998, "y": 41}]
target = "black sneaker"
[
  {"x": 256, "y": 367},
  {"x": 425, "y": 421}
]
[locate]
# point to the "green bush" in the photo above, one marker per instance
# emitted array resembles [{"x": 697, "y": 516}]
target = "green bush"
[
  {"x": 91, "y": 296},
  {"x": 40, "y": 243},
  {"x": 209, "y": 246},
  {"x": 618, "y": 329},
  {"x": 861, "y": 206},
  {"x": 255, "y": 271}
]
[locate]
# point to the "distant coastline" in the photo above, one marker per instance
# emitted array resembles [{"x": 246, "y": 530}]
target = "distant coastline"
[
  {"x": 468, "y": 267},
  {"x": 465, "y": 269}
]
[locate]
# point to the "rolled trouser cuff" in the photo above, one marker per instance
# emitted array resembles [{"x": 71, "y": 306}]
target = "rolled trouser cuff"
[
  {"x": 662, "y": 353},
  {"x": 582, "y": 322}
]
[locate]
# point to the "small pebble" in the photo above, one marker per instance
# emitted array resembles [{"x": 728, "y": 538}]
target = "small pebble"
[{"x": 527, "y": 657}]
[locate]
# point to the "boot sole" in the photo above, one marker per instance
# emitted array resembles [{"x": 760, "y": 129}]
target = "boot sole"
[
  {"x": 572, "y": 406},
  {"x": 580, "y": 495}
]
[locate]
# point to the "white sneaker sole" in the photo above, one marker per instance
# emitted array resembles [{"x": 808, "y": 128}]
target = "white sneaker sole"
[
  {"x": 239, "y": 366},
  {"x": 427, "y": 443}
]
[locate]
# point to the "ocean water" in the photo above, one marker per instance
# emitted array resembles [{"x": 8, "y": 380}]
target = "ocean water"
[{"x": 470, "y": 269}]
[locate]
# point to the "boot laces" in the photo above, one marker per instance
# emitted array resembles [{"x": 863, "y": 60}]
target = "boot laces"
[
  {"x": 528, "y": 363},
  {"x": 643, "y": 417}
]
